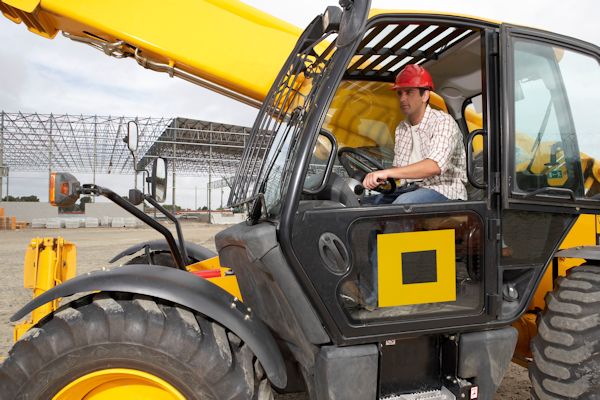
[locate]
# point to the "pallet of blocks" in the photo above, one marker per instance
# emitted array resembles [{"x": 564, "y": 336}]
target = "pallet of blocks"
[
  {"x": 8, "y": 223},
  {"x": 22, "y": 225}
]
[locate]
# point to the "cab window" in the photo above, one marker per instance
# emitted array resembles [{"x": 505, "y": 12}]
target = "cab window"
[{"x": 556, "y": 144}]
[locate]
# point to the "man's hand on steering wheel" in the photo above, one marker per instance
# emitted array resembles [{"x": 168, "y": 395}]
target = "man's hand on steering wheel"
[
  {"x": 375, "y": 179},
  {"x": 359, "y": 164}
]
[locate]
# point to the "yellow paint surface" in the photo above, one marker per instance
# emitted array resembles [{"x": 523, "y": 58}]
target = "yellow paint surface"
[
  {"x": 119, "y": 383},
  {"x": 392, "y": 290}
]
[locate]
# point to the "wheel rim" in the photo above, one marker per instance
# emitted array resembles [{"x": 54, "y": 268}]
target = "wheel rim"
[{"x": 119, "y": 383}]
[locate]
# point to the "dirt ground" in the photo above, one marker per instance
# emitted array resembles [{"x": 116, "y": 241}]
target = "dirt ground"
[{"x": 96, "y": 246}]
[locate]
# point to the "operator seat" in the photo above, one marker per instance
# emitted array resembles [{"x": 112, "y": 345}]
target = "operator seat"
[{"x": 473, "y": 193}]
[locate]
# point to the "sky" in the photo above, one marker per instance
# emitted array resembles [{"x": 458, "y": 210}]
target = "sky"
[{"x": 60, "y": 76}]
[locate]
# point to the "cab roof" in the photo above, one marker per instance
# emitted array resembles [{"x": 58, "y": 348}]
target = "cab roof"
[{"x": 374, "y": 12}]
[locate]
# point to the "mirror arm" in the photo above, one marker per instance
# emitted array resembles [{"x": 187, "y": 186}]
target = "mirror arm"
[
  {"x": 172, "y": 217},
  {"x": 127, "y": 206},
  {"x": 145, "y": 177}
]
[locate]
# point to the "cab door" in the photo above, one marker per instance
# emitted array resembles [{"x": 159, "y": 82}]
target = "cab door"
[
  {"x": 390, "y": 270},
  {"x": 552, "y": 146},
  {"x": 550, "y": 151}
]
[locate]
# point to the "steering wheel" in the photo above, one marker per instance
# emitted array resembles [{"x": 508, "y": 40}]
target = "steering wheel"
[{"x": 358, "y": 163}]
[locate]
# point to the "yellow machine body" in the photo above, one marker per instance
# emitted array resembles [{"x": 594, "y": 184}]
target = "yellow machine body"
[
  {"x": 51, "y": 261},
  {"x": 226, "y": 280},
  {"x": 236, "y": 50},
  {"x": 225, "y": 45},
  {"x": 585, "y": 232}
]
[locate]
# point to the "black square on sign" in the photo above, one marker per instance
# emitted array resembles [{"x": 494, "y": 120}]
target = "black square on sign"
[{"x": 419, "y": 267}]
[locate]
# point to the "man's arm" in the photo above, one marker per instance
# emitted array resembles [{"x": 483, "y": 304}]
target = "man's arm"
[{"x": 420, "y": 170}]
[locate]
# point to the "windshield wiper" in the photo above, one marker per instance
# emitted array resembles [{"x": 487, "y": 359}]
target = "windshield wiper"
[{"x": 538, "y": 139}]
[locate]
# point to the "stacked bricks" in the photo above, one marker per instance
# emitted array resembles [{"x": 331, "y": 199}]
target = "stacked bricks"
[{"x": 10, "y": 223}]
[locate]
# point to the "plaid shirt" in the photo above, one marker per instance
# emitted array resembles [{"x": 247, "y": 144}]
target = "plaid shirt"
[{"x": 441, "y": 141}]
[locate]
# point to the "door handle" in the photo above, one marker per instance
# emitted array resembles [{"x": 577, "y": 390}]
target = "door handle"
[{"x": 333, "y": 253}]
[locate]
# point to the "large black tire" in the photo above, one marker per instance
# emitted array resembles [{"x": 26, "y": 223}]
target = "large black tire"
[
  {"x": 566, "y": 351},
  {"x": 196, "y": 356}
]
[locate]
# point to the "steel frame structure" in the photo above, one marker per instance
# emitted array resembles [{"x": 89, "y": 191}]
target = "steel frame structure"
[
  {"x": 195, "y": 147},
  {"x": 94, "y": 144}
]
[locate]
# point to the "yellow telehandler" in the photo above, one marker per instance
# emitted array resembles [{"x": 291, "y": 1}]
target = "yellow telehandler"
[{"x": 462, "y": 287}]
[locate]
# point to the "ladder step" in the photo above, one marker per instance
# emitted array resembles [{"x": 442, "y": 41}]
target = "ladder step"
[{"x": 443, "y": 394}]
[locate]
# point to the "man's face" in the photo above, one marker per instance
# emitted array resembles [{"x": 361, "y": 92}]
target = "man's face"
[{"x": 411, "y": 101}]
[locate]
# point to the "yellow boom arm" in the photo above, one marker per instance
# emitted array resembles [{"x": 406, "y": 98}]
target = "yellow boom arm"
[{"x": 224, "y": 45}]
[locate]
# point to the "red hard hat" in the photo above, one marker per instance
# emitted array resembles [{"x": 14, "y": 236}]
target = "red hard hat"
[{"x": 413, "y": 76}]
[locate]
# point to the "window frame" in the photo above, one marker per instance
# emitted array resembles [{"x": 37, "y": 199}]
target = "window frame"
[{"x": 511, "y": 197}]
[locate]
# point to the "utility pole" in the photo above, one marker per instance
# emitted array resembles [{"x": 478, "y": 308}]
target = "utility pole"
[
  {"x": 95, "y": 151},
  {"x": 135, "y": 161},
  {"x": 195, "y": 198},
  {"x": 49, "y": 156},
  {"x": 174, "y": 157},
  {"x": 174, "y": 152},
  {"x": 209, "y": 173},
  {"x": 1, "y": 152}
]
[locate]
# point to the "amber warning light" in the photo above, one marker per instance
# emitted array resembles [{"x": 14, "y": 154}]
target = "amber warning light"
[
  {"x": 52, "y": 188},
  {"x": 63, "y": 190}
]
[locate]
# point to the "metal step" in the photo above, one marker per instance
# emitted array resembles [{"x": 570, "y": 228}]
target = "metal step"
[{"x": 443, "y": 394}]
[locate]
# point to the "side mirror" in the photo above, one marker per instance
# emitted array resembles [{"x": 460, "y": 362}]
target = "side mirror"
[
  {"x": 64, "y": 189},
  {"x": 321, "y": 163},
  {"x": 353, "y": 21},
  {"x": 132, "y": 136},
  {"x": 158, "y": 180}
]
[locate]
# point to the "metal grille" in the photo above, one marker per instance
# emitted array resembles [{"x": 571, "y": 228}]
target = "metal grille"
[
  {"x": 280, "y": 118},
  {"x": 386, "y": 48}
]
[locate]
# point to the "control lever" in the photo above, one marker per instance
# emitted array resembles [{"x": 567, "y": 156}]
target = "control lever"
[{"x": 359, "y": 189}]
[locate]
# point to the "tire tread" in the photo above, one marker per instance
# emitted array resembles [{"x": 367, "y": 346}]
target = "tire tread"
[
  {"x": 143, "y": 328},
  {"x": 566, "y": 353}
]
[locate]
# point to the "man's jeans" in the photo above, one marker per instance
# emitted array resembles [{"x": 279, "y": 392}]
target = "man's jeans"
[{"x": 420, "y": 195}]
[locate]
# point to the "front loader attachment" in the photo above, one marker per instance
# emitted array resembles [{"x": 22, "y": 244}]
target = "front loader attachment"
[{"x": 48, "y": 263}]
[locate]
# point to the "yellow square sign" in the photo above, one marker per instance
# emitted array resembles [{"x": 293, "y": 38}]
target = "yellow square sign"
[{"x": 416, "y": 267}]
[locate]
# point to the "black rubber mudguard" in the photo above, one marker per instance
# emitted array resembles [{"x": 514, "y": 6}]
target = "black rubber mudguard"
[
  {"x": 193, "y": 250},
  {"x": 185, "y": 289},
  {"x": 589, "y": 253}
]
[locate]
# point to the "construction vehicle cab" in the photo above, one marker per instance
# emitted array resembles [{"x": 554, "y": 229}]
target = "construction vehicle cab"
[{"x": 448, "y": 278}]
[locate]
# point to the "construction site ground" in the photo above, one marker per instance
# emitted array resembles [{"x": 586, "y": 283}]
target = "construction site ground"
[{"x": 95, "y": 246}]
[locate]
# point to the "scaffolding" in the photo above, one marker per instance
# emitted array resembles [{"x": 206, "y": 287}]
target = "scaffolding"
[{"x": 32, "y": 142}]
